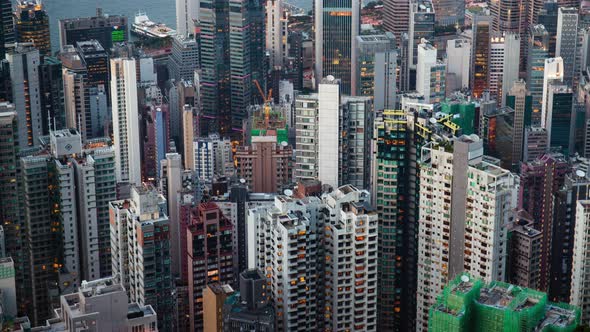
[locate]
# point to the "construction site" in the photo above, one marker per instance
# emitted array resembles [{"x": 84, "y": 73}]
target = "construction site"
[{"x": 467, "y": 304}]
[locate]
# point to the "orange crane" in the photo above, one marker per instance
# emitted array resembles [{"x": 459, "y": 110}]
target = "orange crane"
[{"x": 267, "y": 100}]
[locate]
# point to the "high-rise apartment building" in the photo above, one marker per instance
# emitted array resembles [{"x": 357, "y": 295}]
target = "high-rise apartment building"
[
  {"x": 350, "y": 285},
  {"x": 466, "y": 203},
  {"x": 106, "y": 29},
  {"x": 213, "y": 157},
  {"x": 539, "y": 180},
  {"x": 140, "y": 247},
  {"x": 125, "y": 120},
  {"x": 24, "y": 63},
  {"x": 85, "y": 72},
  {"x": 337, "y": 24},
  {"x": 209, "y": 250},
  {"x": 524, "y": 252},
  {"x": 567, "y": 42},
  {"x": 576, "y": 189},
  {"x": 430, "y": 74},
  {"x": 40, "y": 208},
  {"x": 579, "y": 275},
  {"x": 214, "y": 296},
  {"x": 311, "y": 284},
  {"x": 31, "y": 24},
  {"x": 536, "y": 143},
  {"x": 458, "y": 64},
  {"x": 103, "y": 304},
  {"x": 249, "y": 309},
  {"x": 12, "y": 224},
  {"x": 291, "y": 263},
  {"x": 326, "y": 122}
]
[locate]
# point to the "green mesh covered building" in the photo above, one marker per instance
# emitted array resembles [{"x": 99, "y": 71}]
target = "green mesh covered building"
[
  {"x": 463, "y": 114},
  {"x": 467, "y": 304}
]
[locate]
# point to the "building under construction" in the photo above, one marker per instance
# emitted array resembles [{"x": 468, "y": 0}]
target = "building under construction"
[{"x": 467, "y": 304}]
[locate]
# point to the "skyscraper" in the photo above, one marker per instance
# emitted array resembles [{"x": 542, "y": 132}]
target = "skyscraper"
[
  {"x": 277, "y": 20},
  {"x": 209, "y": 250},
  {"x": 430, "y": 74},
  {"x": 337, "y": 24},
  {"x": 184, "y": 58},
  {"x": 227, "y": 83},
  {"x": 560, "y": 121},
  {"x": 481, "y": 53},
  {"x": 319, "y": 295},
  {"x": 327, "y": 122},
  {"x": 248, "y": 61},
  {"x": 538, "y": 51},
  {"x": 6, "y": 25},
  {"x": 52, "y": 95},
  {"x": 567, "y": 41},
  {"x": 458, "y": 64},
  {"x": 396, "y": 16},
  {"x": 140, "y": 246},
  {"x": 453, "y": 237},
  {"x": 32, "y": 25},
  {"x": 125, "y": 120},
  {"x": 539, "y": 180},
  {"x": 520, "y": 100},
  {"x": 579, "y": 274},
  {"x": 367, "y": 69},
  {"x": 449, "y": 12},
  {"x": 187, "y": 15},
  {"x": 12, "y": 223},
  {"x": 24, "y": 63},
  {"x": 553, "y": 73},
  {"x": 422, "y": 19}
]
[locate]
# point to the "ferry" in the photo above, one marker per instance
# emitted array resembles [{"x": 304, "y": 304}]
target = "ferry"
[{"x": 142, "y": 26}]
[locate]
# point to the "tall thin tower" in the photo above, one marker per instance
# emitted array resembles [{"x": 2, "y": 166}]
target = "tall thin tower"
[{"x": 337, "y": 24}]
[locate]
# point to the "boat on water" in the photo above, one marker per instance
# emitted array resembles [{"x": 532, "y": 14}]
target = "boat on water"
[{"x": 144, "y": 27}]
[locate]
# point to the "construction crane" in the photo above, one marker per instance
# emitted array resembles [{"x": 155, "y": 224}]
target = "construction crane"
[{"x": 267, "y": 100}]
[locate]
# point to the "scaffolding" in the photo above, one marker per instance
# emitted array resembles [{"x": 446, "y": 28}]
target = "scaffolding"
[{"x": 468, "y": 305}]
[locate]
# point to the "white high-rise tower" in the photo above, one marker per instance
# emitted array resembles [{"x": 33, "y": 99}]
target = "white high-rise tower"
[{"x": 125, "y": 120}]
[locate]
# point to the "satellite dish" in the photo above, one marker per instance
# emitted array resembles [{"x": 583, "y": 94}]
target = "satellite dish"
[
  {"x": 580, "y": 173},
  {"x": 288, "y": 192},
  {"x": 465, "y": 278},
  {"x": 284, "y": 144},
  {"x": 433, "y": 120},
  {"x": 242, "y": 181},
  {"x": 330, "y": 78}
]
